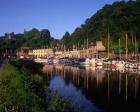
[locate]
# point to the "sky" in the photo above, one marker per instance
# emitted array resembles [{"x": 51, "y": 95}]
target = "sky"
[{"x": 58, "y": 16}]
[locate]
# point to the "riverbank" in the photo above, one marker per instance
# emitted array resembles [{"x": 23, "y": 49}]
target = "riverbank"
[{"x": 23, "y": 89}]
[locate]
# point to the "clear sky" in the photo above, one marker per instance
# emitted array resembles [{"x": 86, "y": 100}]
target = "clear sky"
[{"x": 58, "y": 16}]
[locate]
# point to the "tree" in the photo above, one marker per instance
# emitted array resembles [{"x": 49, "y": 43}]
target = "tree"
[
  {"x": 66, "y": 35},
  {"x": 34, "y": 33},
  {"x": 45, "y": 33}
]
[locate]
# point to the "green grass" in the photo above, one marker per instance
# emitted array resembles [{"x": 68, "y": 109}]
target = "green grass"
[{"x": 15, "y": 92}]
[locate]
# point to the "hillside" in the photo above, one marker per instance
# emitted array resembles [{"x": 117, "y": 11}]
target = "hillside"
[{"x": 115, "y": 19}]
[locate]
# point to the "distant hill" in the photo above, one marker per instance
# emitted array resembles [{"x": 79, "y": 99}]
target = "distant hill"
[{"x": 116, "y": 19}]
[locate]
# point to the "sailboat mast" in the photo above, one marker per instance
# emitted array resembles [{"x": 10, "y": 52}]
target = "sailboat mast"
[
  {"x": 78, "y": 47},
  {"x": 119, "y": 48},
  {"x": 108, "y": 42},
  {"x": 135, "y": 47},
  {"x": 137, "y": 50},
  {"x": 87, "y": 47},
  {"x": 126, "y": 47},
  {"x": 84, "y": 48}
]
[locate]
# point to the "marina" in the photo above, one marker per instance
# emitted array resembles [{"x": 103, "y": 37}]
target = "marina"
[{"x": 92, "y": 62}]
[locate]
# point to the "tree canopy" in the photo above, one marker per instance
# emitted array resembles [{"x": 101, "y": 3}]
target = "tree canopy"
[{"x": 117, "y": 19}]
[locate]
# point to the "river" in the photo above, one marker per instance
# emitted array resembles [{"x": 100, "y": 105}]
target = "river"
[{"x": 96, "y": 89}]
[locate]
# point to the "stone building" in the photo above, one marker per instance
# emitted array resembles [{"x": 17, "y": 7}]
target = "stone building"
[
  {"x": 41, "y": 52},
  {"x": 90, "y": 52}
]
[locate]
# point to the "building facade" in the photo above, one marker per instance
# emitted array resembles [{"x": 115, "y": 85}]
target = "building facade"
[
  {"x": 41, "y": 52},
  {"x": 90, "y": 52}
]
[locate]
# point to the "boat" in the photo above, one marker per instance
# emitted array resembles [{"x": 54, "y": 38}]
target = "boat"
[
  {"x": 120, "y": 64},
  {"x": 112, "y": 64},
  {"x": 138, "y": 66},
  {"x": 84, "y": 61},
  {"x": 99, "y": 62},
  {"x": 40, "y": 60},
  {"x": 127, "y": 65},
  {"x": 121, "y": 69},
  {"x": 131, "y": 65},
  {"x": 69, "y": 62},
  {"x": 63, "y": 60},
  {"x": 50, "y": 60},
  {"x": 55, "y": 61},
  {"x": 93, "y": 62}
]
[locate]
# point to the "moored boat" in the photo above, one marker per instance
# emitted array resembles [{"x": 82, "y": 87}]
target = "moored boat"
[
  {"x": 93, "y": 62},
  {"x": 40, "y": 60},
  {"x": 120, "y": 64},
  {"x": 84, "y": 61},
  {"x": 99, "y": 62}
]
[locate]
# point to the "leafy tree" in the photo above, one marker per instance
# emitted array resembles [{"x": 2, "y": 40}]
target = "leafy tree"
[
  {"x": 34, "y": 33},
  {"x": 45, "y": 33},
  {"x": 66, "y": 35}
]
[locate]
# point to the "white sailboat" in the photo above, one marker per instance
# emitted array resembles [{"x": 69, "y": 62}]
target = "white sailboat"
[{"x": 99, "y": 62}]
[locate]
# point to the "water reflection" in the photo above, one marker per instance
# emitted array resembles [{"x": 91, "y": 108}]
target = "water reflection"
[
  {"x": 70, "y": 91},
  {"x": 93, "y": 89}
]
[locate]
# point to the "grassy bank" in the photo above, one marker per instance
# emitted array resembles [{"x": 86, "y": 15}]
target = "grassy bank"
[
  {"x": 15, "y": 92},
  {"x": 23, "y": 89}
]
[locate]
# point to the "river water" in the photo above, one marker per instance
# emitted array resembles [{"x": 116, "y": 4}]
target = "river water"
[{"x": 96, "y": 89}]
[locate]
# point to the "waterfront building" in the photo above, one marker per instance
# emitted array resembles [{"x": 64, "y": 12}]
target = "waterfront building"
[
  {"x": 58, "y": 54},
  {"x": 90, "y": 52},
  {"x": 75, "y": 54},
  {"x": 100, "y": 46},
  {"x": 41, "y": 52}
]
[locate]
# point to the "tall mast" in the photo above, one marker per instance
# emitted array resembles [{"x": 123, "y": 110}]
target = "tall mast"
[
  {"x": 87, "y": 43},
  {"x": 84, "y": 48},
  {"x": 84, "y": 43},
  {"x": 137, "y": 50},
  {"x": 135, "y": 47},
  {"x": 78, "y": 46},
  {"x": 64, "y": 47},
  {"x": 119, "y": 48},
  {"x": 73, "y": 46},
  {"x": 126, "y": 51},
  {"x": 133, "y": 44},
  {"x": 108, "y": 43},
  {"x": 87, "y": 47},
  {"x": 78, "y": 49}
]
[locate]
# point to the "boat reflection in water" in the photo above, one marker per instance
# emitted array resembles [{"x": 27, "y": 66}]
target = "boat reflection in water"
[{"x": 96, "y": 89}]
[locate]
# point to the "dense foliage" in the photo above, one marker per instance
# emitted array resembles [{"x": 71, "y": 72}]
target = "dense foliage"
[
  {"x": 116, "y": 19},
  {"x": 36, "y": 38}
]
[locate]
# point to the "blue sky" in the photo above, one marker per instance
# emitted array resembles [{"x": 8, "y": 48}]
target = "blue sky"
[{"x": 58, "y": 16}]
